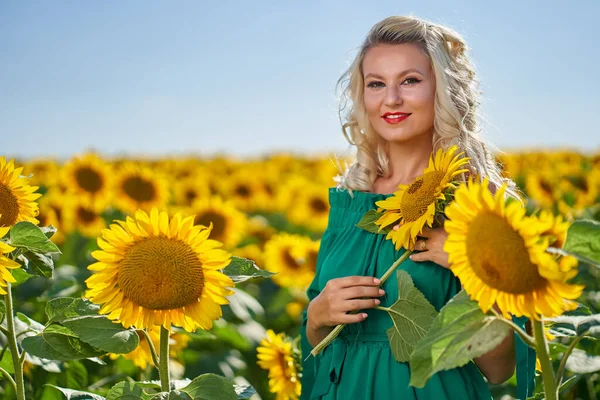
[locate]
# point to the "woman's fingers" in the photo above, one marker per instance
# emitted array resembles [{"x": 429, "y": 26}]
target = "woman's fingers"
[{"x": 355, "y": 305}]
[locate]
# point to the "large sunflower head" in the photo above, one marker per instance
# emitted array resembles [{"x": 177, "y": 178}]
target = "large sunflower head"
[
  {"x": 90, "y": 178},
  {"x": 153, "y": 270},
  {"x": 415, "y": 205},
  {"x": 138, "y": 187},
  {"x": 5, "y": 262},
  {"x": 17, "y": 197},
  {"x": 275, "y": 354},
  {"x": 499, "y": 255}
]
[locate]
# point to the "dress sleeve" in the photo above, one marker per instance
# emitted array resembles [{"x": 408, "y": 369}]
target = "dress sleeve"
[{"x": 309, "y": 366}]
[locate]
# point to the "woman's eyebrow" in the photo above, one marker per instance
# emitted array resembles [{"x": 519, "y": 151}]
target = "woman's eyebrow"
[{"x": 371, "y": 75}]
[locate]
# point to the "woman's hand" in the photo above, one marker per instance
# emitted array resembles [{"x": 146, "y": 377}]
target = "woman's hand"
[
  {"x": 341, "y": 296},
  {"x": 431, "y": 246}
]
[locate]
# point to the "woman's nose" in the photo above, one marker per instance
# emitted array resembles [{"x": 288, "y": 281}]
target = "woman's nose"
[{"x": 393, "y": 96}]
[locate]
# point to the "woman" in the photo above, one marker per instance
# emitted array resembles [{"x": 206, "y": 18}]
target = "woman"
[{"x": 413, "y": 90}]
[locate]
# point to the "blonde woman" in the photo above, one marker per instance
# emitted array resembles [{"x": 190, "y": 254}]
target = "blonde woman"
[{"x": 411, "y": 90}]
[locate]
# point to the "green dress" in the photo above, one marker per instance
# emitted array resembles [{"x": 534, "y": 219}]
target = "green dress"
[{"x": 359, "y": 365}]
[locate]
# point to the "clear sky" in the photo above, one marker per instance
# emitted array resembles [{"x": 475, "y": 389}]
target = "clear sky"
[{"x": 251, "y": 77}]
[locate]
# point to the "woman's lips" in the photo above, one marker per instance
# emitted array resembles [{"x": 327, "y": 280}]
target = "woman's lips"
[{"x": 395, "y": 118}]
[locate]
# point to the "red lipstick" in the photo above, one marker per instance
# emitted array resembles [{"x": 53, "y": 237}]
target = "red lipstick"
[{"x": 394, "y": 117}]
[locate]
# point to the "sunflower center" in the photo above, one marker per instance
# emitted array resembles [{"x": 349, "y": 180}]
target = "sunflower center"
[
  {"x": 499, "y": 256},
  {"x": 219, "y": 223},
  {"x": 85, "y": 215},
  {"x": 9, "y": 207},
  {"x": 312, "y": 260},
  {"x": 139, "y": 189},
  {"x": 318, "y": 205},
  {"x": 158, "y": 273},
  {"x": 546, "y": 187},
  {"x": 289, "y": 259},
  {"x": 417, "y": 198},
  {"x": 88, "y": 179},
  {"x": 190, "y": 196},
  {"x": 243, "y": 190}
]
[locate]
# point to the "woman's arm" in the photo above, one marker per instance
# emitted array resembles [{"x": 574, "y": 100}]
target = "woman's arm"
[{"x": 499, "y": 364}]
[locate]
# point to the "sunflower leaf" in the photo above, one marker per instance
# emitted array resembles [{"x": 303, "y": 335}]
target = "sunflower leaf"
[
  {"x": 127, "y": 391},
  {"x": 103, "y": 334},
  {"x": 244, "y": 391},
  {"x": 26, "y": 235},
  {"x": 582, "y": 363},
  {"x": 576, "y": 325},
  {"x": 76, "y": 394},
  {"x": 412, "y": 315},
  {"x": 210, "y": 386},
  {"x": 39, "y": 264},
  {"x": 49, "y": 230},
  {"x": 583, "y": 241},
  {"x": 460, "y": 333},
  {"x": 57, "y": 342},
  {"x": 241, "y": 270},
  {"x": 367, "y": 223},
  {"x": 63, "y": 308}
]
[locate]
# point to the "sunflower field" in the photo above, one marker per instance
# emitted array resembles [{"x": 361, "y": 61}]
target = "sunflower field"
[{"x": 117, "y": 272}]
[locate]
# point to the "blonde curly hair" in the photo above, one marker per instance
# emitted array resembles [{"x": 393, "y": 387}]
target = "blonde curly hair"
[{"x": 456, "y": 103}]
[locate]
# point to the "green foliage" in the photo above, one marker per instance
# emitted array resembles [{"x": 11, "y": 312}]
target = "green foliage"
[
  {"x": 242, "y": 270},
  {"x": 76, "y": 394},
  {"x": 583, "y": 241},
  {"x": 460, "y": 333},
  {"x": 367, "y": 223},
  {"x": 28, "y": 236},
  {"x": 412, "y": 315}
]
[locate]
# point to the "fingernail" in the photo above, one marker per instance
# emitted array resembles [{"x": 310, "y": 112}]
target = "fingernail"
[
  {"x": 377, "y": 301},
  {"x": 381, "y": 292},
  {"x": 376, "y": 281},
  {"x": 364, "y": 316},
  {"x": 411, "y": 257}
]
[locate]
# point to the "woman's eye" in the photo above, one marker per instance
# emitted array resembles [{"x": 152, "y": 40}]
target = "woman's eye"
[
  {"x": 414, "y": 80},
  {"x": 375, "y": 84}
]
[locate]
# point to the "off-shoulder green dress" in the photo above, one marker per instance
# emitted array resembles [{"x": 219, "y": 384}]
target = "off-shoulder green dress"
[{"x": 359, "y": 364}]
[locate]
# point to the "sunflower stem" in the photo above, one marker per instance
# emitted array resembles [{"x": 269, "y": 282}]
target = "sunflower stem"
[
  {"x": 336, "y": 331},
  {"x": 9, "y": 378},
  {"x": 155, "y": 358},
  {"x": 563, "y": 361},
  {"x": 165, "y": 381},
  {"x": 541, "y": 347},
  {"x": 12, "y": 342}
]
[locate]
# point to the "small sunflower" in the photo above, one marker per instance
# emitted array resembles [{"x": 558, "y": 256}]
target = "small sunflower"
[
  {"x": 294, "y": 259},
  {"x": 540, "y": 189},
  {"x": 310, "y": 207},
  {"x": 153, "y": 270},
  {"x": 190, "y": 189},
  {"x": 138, "y": 187},
  {"x": 88, "y": 221},
  {"x": 229, "y": 223},
  {"x": 53, "y": 205},
  {"x": 499, "y": 254},
  {"x": 90, "y": 179},
  {"x": 415, "y": 205},
  {"x": 5, "y": 262},
  {"x": 17, "y": 197},
  {"x": 275, "y": 354}
]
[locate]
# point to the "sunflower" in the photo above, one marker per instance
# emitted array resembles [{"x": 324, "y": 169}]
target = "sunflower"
[
  {"x": 260, "y": 230},
  {"x": 90, "y": 179},
  {"x": 153, "y": 270},
  {"x": 541, "y": 190},
  {"x": 250, "y": 252},
  {"x": 500, "y": 256},
  {"x": 142, "y": 356},
  {"x": 138, "y": 187},
  {"x": 310, "y": 207},
  {"x": 246, "y": 189},
  {"x": 275, "y": 354},
  {"x": 294, "y": 259},
  {"x": 44, "y": 172},
  {"x": 17, "y": 197},
  {"x": 5, "y": 262},
  {"x": 415, "y": 205},
  {"x": 186, "y": 191},
  {"x": 229, "y": 223},
  {"x": 87, "y": 220},
  {"x": 51, "y": 212}
]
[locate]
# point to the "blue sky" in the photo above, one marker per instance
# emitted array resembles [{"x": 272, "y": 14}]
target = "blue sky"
[{"x": 252, "y": 77}]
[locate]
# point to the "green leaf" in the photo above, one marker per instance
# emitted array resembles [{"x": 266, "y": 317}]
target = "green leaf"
[
  {"x": 244, "y": 391},
  {"x": 582, "y": 363},
  {"x": 39, "y": 264},
  {"x": 126, "y": 391},
  {"x": 20, "y": 275},
  {"x": 59, "y": 343},
  {"x": 576, "y": 325},
  {"x": 172, "y": 395},
  {"x": 460, "y": 333},
  {"x": 412, "y": 315},
  {"x": 63, "y": 308},
  {"x": 74, "y": 376},
  {"x": 367, "y": 222},
  {"x": 76, "y": 394},
  {"x": 210, "y": 386},
  {"x": 103, "y": 334},
  {"x": 241, "y": 270},
  {"x": 49, "y": 231},
  {"x": 583, "y": 240},
  {"x": 26, "y": 235}
]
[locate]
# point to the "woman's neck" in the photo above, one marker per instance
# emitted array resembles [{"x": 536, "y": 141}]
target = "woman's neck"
[{"x": 408, "y": 160}]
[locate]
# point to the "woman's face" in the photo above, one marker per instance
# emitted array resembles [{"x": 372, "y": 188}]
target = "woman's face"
[{"x": 398, "y": 82}]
